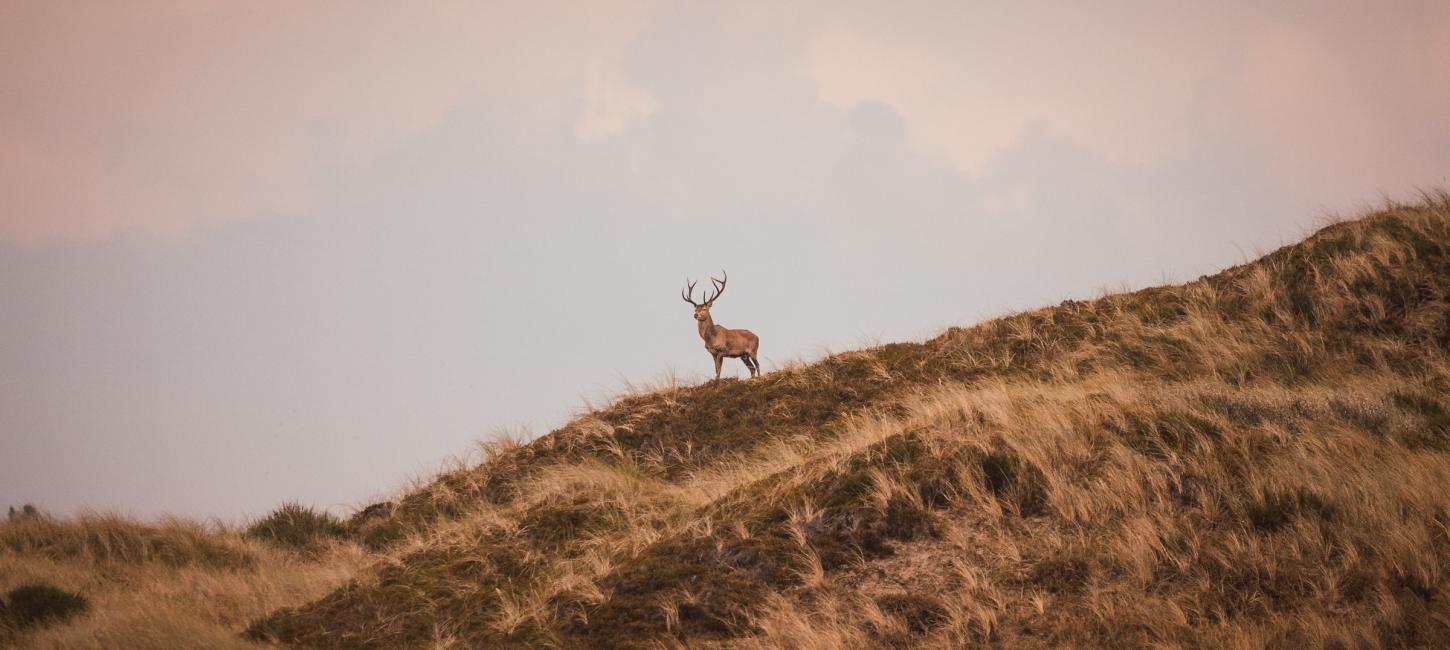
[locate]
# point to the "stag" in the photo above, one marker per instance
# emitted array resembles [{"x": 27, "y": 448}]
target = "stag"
[{"x": 722, "y": 342}]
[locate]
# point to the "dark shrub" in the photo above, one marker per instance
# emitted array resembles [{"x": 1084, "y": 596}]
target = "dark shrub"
[
  {"x": 40, "y": 604},
  {"x": 1435, "y": 434},
  {"x": 297, "y": 527},
  {"x": 1014, "y": 481},
  {"x": 28, "y": 511},
  {"x": 1277, "y": 509},
  {"x": 919, "y": 612}
]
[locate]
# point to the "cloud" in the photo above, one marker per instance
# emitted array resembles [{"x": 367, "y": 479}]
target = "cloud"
[
  {"x": 1342, "y": 100},
  {"x": 161, "y": 118},
  {"x": 164, "y": 118},
  {"x": 611, "y": 105}
]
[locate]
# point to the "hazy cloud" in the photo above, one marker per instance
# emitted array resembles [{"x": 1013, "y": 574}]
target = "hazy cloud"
[{"x": 161, "y": 117}]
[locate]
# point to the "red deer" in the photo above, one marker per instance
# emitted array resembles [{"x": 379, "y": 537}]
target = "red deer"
[{"x": 722, "y": 342}]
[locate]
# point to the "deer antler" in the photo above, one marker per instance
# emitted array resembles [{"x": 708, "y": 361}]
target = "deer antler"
[
  {"x": 688, "y": 293},
  {"x": 719, "y": 286}
]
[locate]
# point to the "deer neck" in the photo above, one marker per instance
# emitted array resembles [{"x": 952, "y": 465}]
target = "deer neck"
[{"x": 707, "y": 328}]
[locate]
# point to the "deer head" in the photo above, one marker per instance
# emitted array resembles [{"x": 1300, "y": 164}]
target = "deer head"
[{"x": 702, "y": 309}]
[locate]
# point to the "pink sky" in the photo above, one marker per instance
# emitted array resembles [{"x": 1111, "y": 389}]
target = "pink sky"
[{"x": 162, "y": 116}]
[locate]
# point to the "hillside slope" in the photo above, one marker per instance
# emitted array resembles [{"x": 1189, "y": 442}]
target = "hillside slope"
[{"x": 1255, "y": 458}]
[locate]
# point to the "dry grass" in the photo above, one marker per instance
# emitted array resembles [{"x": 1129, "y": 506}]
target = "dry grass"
[
  {"x": 1253, "y": 459},
  {"x": 1184, "y": 514},
  {"x": 113, "y": 539},
  {"x": 174, "y": 584}
]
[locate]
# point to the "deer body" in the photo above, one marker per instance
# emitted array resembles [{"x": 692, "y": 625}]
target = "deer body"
[{"x": 723, "y": 342}]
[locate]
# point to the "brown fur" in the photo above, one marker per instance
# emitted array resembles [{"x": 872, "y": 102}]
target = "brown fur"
[{"x": 722, "y": 342}]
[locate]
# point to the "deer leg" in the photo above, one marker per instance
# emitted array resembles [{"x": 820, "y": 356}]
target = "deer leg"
[
  {"x": 718, "y": 360},
  {"x": 750, "y": 364}
]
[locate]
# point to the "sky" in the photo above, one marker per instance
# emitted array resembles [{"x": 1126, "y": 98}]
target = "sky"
[{"x": 253, "y": 252}]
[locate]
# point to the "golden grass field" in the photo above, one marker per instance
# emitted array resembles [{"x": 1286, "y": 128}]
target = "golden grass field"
[
  {"x": 168, "y": 584},
  {"x": 1258, "y": 458}
]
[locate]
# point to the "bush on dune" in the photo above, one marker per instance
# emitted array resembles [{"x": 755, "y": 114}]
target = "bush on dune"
[
  {"x": 298, "y": 527},
  {"x": 39, "y": 604}
]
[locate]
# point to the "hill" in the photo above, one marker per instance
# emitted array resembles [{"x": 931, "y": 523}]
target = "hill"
[{"x": 1256, "y": 458}]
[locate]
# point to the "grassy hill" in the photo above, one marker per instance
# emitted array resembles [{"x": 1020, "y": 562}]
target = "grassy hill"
[{"x": 1255, "y": 458}]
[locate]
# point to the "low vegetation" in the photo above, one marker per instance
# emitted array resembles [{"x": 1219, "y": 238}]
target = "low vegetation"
[
  {"x": 1256, "y": 458},
  {"x": 114, "y": 540},
  {"x": 298, "y": 527},
  {"x": 105, "y": 581},
  {"x": 38, "y": 604}
]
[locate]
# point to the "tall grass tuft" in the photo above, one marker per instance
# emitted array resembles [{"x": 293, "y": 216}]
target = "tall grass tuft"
[{"x": 297, "y": 527}]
